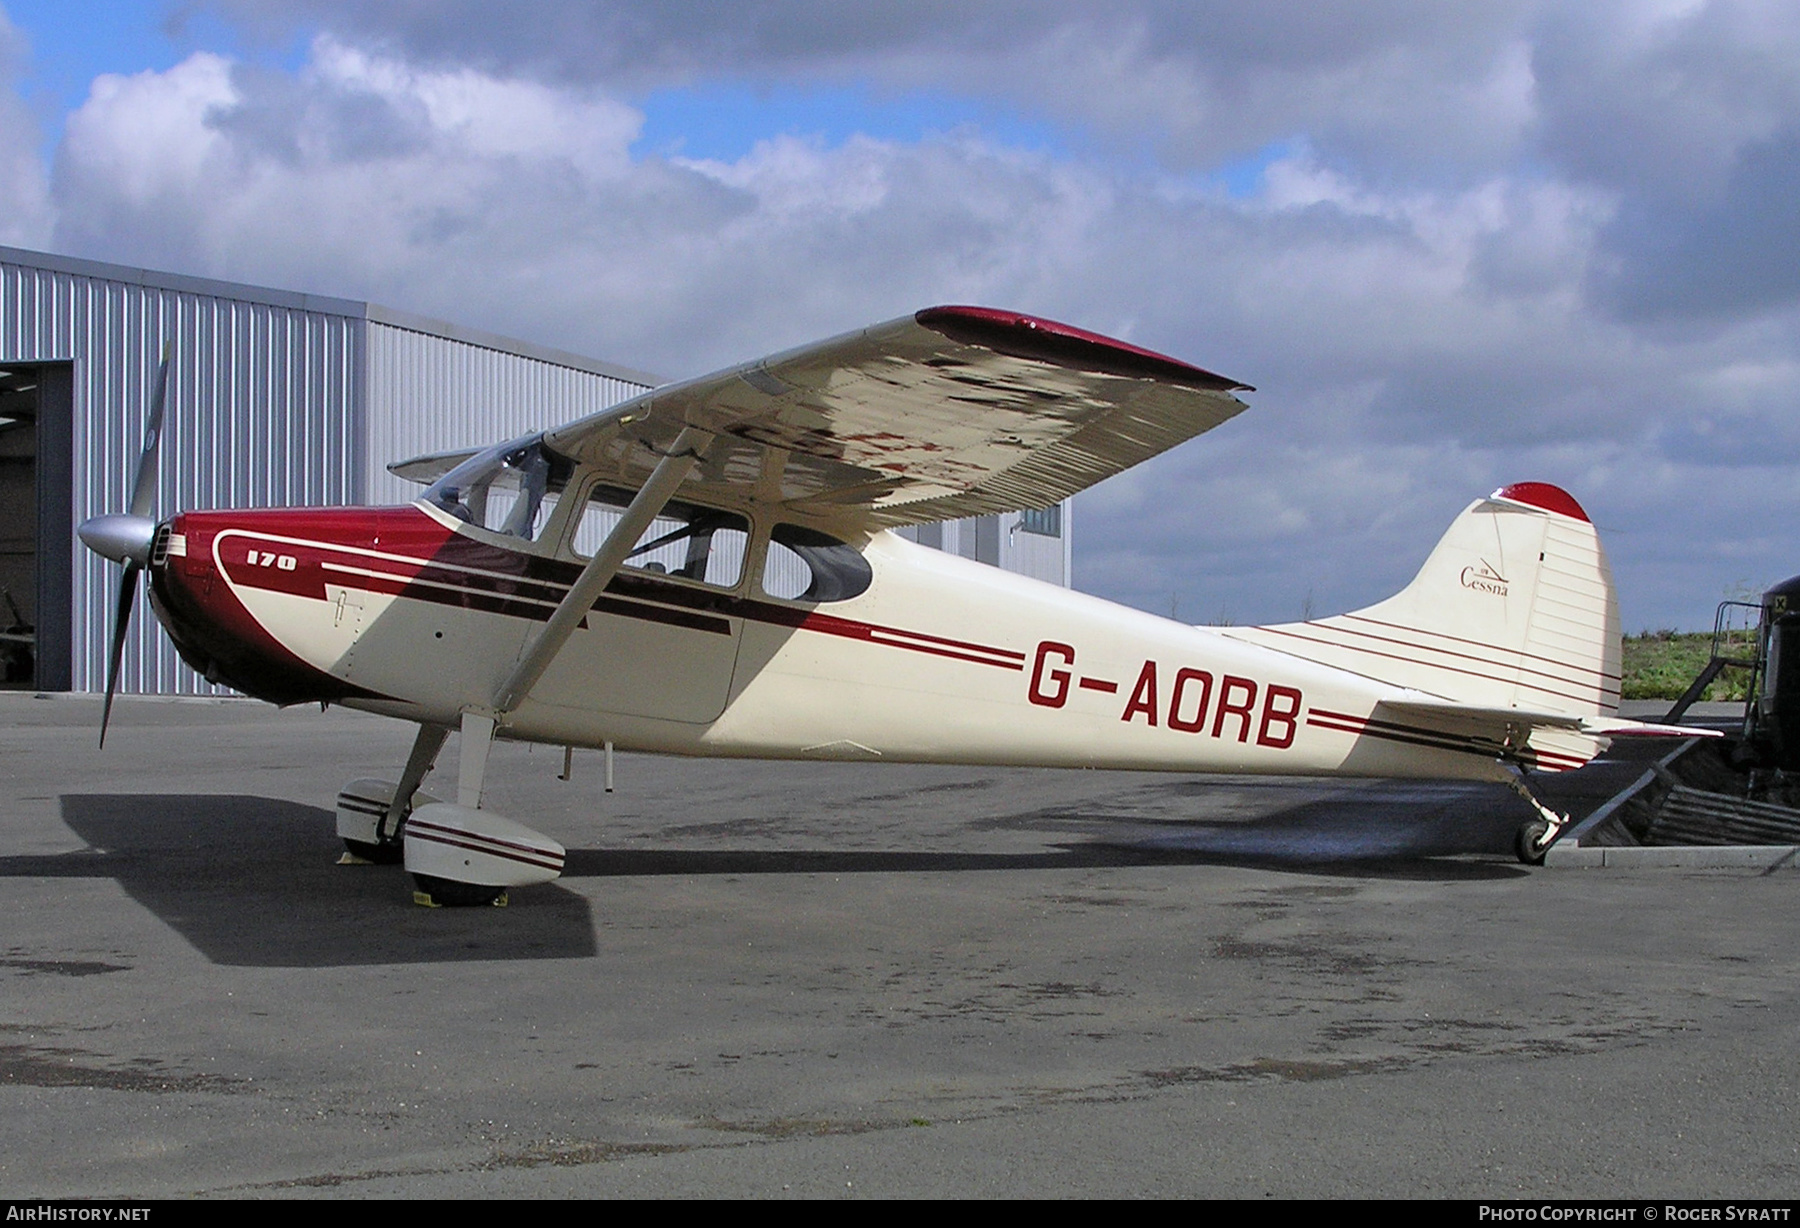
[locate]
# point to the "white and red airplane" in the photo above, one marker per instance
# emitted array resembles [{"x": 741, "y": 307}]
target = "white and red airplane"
[{"x": 708, "y": 569}]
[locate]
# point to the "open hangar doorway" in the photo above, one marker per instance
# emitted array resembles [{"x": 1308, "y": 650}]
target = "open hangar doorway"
[{"x": 36, "y": 525}]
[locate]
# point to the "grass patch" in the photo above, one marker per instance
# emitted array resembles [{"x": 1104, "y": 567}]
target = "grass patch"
[{"x": 1661, "y": 665}]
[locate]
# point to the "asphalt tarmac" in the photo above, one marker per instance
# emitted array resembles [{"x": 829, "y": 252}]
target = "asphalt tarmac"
[{"x": 851, "y": 980}]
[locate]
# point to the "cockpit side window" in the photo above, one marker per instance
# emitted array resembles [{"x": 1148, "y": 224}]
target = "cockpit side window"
[
  {"x": 510, "y": 489},
  {"x": 686, "y": 540},
  {"x": 807, "y": 565}
]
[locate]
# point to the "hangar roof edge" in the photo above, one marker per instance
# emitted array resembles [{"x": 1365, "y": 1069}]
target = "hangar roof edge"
[
  {"x": 296, "y": 300},
  {"x": 394, "y": 318}
]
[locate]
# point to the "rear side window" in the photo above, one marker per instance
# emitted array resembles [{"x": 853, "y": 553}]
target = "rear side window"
[
  {"x": 686, "y": 540},
  {"x": 807, "y": 565}
]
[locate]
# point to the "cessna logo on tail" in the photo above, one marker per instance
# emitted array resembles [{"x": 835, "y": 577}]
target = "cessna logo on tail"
[{"x": 1484, "y": 579}]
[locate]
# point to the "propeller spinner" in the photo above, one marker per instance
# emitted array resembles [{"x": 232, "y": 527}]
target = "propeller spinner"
[{"x": 126, "y": 538}]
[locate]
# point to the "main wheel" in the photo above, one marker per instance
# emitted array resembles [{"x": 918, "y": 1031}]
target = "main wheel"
[
  {"x": 376, "y": 854},
  {"x": 1529, "y": 842},
  {"x": 447, "y": 894}
]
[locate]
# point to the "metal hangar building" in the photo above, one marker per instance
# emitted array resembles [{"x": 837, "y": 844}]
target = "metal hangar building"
[{"x": 276, "y": 398}]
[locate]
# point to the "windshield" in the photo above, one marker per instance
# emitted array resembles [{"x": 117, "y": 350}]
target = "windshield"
[{"x": 510, "y": 489}]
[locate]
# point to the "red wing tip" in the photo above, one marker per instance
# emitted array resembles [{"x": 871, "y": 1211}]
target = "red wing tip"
[
  {"x": 1046, "y": 340},
  {"x": 1542, "y": 495}
]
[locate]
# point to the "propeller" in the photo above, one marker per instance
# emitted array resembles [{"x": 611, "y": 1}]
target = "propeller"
[{"x": 127, "y": 538}]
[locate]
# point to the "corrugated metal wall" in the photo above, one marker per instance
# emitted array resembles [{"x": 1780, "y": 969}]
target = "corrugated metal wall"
[
  {"x": 275, "y": 399},
  {"x": 431, "y": 393},
  {"x": 261, "y": 413}
]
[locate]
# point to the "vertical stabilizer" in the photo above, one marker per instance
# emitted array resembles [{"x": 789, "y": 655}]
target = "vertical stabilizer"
[{"x": 1514, "y": 609}]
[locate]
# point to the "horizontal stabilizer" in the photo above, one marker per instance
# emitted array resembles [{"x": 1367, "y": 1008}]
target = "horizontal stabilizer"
[
  {"x": 1599, "y": 726},
  {"x": 1616, "y": 728},
  {"x": 1549, "y": 741}
]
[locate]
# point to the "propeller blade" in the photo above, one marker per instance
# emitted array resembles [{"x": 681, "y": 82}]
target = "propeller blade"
[
  {"x": 126, "y": 538},
  {"x": 121, "y": 624},
  {"x": 143, "y": 493}
]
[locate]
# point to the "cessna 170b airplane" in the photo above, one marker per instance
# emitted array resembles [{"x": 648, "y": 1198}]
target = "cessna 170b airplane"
[{"x": 708, "y": 569}]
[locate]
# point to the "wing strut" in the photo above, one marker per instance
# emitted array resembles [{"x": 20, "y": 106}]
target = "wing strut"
[{"x": 646, "y": 505}]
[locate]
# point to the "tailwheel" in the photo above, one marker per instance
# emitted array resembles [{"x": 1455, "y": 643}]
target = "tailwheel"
[
  {"x": 1535, "y": 836},
  {"x": 443, "y": 893},
  {"x": 1532, "y": 841}
]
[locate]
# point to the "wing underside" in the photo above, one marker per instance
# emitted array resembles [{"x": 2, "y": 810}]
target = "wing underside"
[{"x": 952, "y": 412}]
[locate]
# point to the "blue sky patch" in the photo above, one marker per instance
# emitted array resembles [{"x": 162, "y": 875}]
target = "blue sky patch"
[
  {"x": 68, "y": 50},
  {"x": 722, "y": 121}
]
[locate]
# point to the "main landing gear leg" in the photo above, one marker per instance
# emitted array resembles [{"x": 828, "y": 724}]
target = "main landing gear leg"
[
  {"x": 424, "y": 755},
  {"x": 472, "y": 757},
  {"x": 1535, "y": 837}
]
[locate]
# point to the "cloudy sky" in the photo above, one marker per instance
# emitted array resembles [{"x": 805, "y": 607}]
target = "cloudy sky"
[{"x": 1453, "y": 246}]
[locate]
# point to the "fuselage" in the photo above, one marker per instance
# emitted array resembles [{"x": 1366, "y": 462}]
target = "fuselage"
[{"x": 409, "y": 612}]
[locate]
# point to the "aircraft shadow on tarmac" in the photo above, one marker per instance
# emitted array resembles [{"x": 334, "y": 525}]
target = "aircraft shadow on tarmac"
[
  {"x": 1395, "y": 831},
  {"x": 1352, "y": 831},
  {"x": 253, "y": 881},
  {"x": 616, "y": 863}
]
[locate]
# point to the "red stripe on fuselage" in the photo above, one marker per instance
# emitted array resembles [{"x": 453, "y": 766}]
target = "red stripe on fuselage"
[{"x": 403, "y": 552}]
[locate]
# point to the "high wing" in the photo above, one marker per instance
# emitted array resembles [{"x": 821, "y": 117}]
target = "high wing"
[{"x": 950, "y": 412}]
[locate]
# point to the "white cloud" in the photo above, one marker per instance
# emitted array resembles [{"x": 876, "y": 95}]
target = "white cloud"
[
  {"x": 477, "y": 115},
  {"x": 143, "y": 144},
  {"x": 1419, "y": 337}
]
